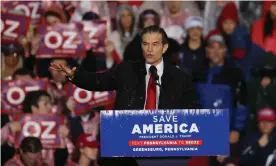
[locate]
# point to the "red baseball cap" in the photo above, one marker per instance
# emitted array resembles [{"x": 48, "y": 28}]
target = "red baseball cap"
[
  {"x": 266, "y": 114},
  {"x": 87, "y": 140},
  {"x": 215, "y": 36}
]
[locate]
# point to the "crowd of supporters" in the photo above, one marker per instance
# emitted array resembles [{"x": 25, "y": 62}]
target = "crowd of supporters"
[{"x": 237, "y": 72}]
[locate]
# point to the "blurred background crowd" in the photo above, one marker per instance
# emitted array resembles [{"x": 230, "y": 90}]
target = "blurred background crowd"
[{"x": 228, "y": 48}]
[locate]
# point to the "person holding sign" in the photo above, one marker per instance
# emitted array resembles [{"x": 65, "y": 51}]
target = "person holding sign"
[
  {"x": 38, "y": 103},
  {"x": 150, "y": 84}
]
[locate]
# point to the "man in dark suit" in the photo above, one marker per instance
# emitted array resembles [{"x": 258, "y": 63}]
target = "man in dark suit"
[{"x": 135, "y": 85}]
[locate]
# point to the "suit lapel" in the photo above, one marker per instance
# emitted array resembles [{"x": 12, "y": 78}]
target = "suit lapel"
[
  {"x": 165, "y": 82},
  {"x": 141, "y": 72}
]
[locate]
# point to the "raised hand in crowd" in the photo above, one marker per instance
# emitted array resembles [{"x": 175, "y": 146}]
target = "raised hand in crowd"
[
  {"x": 63, "y": 69},
  {"x": 263, "y": 141},
  {"x": 109, "y": 46},
  {"x": 15, "y": 127},
  {"x": 63, "y": 131},
  {"x": 265, "y": 82}
]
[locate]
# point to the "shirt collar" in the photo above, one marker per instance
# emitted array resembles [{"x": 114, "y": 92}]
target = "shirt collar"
[{"x": 159, "y": 67}]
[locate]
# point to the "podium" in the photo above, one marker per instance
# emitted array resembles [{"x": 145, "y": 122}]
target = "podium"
[{"x": 164, "y": 133}]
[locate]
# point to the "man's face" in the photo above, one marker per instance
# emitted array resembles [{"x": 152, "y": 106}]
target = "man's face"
[
  {"x": 228, "y": 26},
  {"x": 23, "y": 77},
  {"x": 126, "y": 19},
  {"x": 52, "y": 20},
  {"x": 44, "y": 106},
  {"x": 29, "y": 158},
  {"x": 58, "y": 77},
  {"x": 216, "y": 52},
  {"x": 266, "y": 127},
  {"x": 195, "y": 33},
  {"x": 174, "y": 6},
  {"x": 153, "y": 48},
  {"x": 11, "y": 60},
  {"x": 90, "y": 153}
]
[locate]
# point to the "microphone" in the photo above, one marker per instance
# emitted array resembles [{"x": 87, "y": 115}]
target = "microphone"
[{"x": 153, "y": 71}]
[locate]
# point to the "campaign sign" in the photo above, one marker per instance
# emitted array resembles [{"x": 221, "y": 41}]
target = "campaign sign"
[
  {"x": 63, "y": 40},
  {"x": 88, "y": 99},
  {"x": 31, "y": 9},
  {"x": 13, "y": 26},
  {"x": 44, "y": 127},
  {"x": 151, "y": 133},
  {"x": 95, "y": 34},
  {"x": 13, "y": 93}
]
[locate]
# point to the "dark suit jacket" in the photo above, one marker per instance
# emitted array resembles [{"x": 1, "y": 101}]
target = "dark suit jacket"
[{"x": 128, "y": 79}]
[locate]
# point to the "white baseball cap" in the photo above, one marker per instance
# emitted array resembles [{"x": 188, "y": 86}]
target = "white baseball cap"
[{"x": 193, "y": 21}]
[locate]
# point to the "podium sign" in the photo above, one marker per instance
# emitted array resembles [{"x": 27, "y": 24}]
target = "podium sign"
[{"x": 144, "y": 133}]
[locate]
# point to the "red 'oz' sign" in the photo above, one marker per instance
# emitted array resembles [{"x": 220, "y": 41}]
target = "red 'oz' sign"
[
  {"x": 13, "y": 26},
  {"x": 95, "y": 33},
  {"x": 44, "y": 127},
  {"x": 87, "y": 99},
  {"x": 63, "y": 40},
  {"x": 13, "y": 93},
  {"x": 31, "y": 9}
]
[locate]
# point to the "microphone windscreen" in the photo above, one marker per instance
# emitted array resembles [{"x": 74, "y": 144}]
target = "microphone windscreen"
[{"x": 153, "y": 69}]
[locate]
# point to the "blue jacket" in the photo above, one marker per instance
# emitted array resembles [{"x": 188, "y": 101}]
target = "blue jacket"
[
  {"x": 254, "y": 155},
  {"x": 190, "y": 58},
  {"x": 240, "y": 40},
  {"x": 222, "y": 87}
]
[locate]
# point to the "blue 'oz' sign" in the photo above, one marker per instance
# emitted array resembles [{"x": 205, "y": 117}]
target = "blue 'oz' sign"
[{"x": 143, "y": 133}]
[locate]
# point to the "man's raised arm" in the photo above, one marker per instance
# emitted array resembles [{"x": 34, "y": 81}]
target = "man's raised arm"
[{"x": 87, "y": 80}]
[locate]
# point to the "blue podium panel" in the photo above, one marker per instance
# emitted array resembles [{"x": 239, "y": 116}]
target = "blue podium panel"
[{"x": 144, "y": 133}]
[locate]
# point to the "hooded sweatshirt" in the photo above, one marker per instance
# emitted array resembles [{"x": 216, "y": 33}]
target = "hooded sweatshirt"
[
  {"x": 240, "y": 48},
  {"x": 229, "y": 12},
  {"x": 257, "y": 35},
  {"x": 120, "y": 38}
]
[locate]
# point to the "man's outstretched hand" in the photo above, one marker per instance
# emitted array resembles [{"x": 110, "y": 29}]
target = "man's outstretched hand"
[{"x": 63, "y": 69}]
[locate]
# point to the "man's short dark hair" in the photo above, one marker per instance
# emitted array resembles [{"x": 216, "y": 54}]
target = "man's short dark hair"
[
  {"x": 31, "y": 144},
  {"x": 23, "y": 71},
  {"x": 156, "y": 29},
  {"x": 32, "y": 98}
]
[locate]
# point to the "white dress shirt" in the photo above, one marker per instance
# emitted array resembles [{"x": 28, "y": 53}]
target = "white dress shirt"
[{"x": 160, "y": 68}]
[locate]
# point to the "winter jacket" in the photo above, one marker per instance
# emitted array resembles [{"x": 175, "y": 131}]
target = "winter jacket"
[
  {"x": 120, "y": 38},
  {"x": 259, "y": 97},
  {"x": 268, "y": 43},
  {"x": 216, "y": 80},
  {"x": 190, "y": 58},
  {"x": 240, "y": 48},
  {"x": 252, "y": 153},
  {"x": 245, "y": 53}
]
